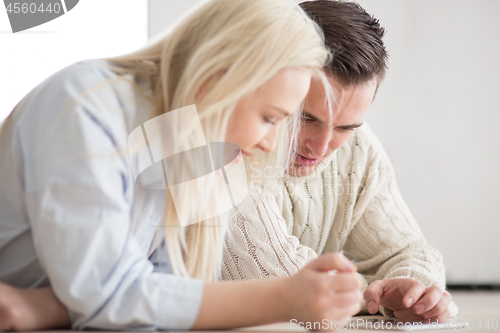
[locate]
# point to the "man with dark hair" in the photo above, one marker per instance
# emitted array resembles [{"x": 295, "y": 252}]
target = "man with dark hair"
[{"x": 341, "y": 192}]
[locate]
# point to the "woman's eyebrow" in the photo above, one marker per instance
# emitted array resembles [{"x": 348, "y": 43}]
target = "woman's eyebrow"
[{"x": 286, "y": 113}]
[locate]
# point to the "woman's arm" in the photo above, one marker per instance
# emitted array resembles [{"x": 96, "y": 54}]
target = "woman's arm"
[
  {"x": 311, "y": 295},
  {"x": 31, "y": 309}
]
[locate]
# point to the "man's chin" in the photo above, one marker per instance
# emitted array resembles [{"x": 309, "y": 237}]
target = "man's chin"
[{"x": 298, "y": 170}]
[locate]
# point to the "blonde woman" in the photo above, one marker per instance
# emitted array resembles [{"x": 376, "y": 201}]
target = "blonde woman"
[{"x": 73, "y": 217}]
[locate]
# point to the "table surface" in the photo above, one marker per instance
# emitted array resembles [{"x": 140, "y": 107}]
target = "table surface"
[{"x": 479, "y": 308}]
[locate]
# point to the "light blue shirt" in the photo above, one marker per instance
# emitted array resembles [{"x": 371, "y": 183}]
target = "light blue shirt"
[{"x": 70, "y": 211}]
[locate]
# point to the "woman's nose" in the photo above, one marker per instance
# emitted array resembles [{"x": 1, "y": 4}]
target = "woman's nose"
[{"x": 268, "y": 144}]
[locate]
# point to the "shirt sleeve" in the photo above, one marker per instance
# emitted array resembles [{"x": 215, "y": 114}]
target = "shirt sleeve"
[
  {"x": 258, "y": 245},
  {"x": 386, "y": 241},
  {"x": 79, "y": 194}
]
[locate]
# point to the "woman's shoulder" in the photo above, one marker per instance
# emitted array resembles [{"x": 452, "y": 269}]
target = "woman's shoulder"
[
  {"x": 84, "y": 74},
  {"x": 85, "y": 89},
  {"x": 84, "y": 108},
  {"x": 78, "y": 78},
  {"x": 66, "y": 84},
  {"x": 98, "y": 66}
]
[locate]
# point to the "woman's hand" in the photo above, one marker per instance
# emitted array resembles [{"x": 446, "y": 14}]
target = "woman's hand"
[
  {"x": 31, "y": 309},
  {"x": 312, "y": 295},
  {"x": 318, "y": 296}
]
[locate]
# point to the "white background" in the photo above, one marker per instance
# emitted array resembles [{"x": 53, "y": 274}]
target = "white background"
[
  {"x": 438, "y": 116},
  {"x": 92, "y": 29}
]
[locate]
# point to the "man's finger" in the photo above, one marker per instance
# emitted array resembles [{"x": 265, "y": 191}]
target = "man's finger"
[
  {"x": 413, "y": 293},
  {"x": 439, "y": 308},
  {"x": 331, "y": 261},
  {"x": 430, "y": 298},
  {"x": 372, "y": 295}
]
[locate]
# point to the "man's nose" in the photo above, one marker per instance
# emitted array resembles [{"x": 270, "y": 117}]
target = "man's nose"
[{"x": 319, "y": 140}]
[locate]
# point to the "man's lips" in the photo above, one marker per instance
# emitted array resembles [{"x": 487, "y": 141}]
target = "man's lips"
[{"x": 302, "y": 160}]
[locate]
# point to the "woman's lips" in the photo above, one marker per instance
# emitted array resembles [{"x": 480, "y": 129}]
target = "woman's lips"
[{"x": 304, "y": 160}]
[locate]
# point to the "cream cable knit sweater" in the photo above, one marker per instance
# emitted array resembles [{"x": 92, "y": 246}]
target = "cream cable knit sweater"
[{"x": 349, "y": 203}]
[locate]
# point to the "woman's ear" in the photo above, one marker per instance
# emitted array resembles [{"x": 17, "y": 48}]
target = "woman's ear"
[
  {"x": 206, "y": 86},
  {"x": 200, "y": 94}
]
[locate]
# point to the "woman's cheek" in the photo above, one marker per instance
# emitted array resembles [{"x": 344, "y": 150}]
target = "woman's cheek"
[{"x": 258, "y": 133}]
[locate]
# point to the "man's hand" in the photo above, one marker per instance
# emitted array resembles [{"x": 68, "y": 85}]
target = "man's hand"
[{"x": 408, "y": 299}]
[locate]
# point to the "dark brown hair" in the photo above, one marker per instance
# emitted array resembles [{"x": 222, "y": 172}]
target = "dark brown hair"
[{"x": 353, "y": 36}]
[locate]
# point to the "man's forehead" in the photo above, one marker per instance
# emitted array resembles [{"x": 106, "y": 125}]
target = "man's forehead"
[
  {"x": 349, "y": 101},
  {"x": 316, "y": 90},
  {"x": 337, "y": 83}
]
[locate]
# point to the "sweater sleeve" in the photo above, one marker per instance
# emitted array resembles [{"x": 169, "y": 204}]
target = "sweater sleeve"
[
  {"x": 385, "y": 241},
  {"x": 258, "y": 245}
]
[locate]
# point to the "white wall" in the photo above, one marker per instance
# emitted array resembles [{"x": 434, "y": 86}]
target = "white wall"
[
  {"x": 162, "y": 13},
  {"x": 437, "y": 113},
  {"x": 93, "y": 29}
]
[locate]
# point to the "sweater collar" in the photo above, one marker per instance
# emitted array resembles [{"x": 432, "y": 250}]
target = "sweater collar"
[{"x": 316, "y": 172}]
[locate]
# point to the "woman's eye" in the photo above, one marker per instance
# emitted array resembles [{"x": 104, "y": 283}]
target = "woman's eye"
[
  {"x": 306, "y": 119},
  {"x": 270, "y": 121}
]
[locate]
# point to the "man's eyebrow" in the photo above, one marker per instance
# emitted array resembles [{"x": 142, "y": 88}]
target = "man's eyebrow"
[
  {"x": 306, "y": 114},
  {"x": 350, "y": 126},
  {"x": 311, "y": 117},
  {"x": 286, "y": 113}
]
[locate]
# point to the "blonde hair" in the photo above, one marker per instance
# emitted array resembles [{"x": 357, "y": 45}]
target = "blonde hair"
[{"x": 229, "y": 47}]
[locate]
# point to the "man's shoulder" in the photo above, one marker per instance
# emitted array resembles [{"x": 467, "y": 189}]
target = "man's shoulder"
[
  {"x": 363, "y": 139},
  {"x": 362, "y": 150}
]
